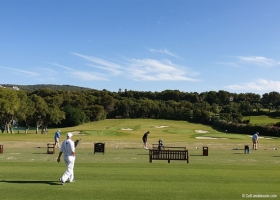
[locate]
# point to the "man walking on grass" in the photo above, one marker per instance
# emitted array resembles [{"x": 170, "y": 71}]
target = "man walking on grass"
[
  {"x": 56, "y": 138},
  {"x": 68, "y": 148}
]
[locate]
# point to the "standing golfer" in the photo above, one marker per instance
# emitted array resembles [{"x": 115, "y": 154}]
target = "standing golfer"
[
  {"x": 255, "y": 140},
  {"x": 68, "y": 148},
  {"x": 56, "y": 138},
  {"x": 145, "y": 139}
]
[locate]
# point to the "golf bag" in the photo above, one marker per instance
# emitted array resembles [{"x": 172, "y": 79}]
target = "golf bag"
[{"x": 77, "y": 142}]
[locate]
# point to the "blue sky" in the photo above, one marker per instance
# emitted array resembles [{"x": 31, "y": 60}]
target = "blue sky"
[{"x": 142, "y": 45}]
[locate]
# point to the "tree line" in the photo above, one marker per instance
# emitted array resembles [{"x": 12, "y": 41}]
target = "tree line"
[{"x": 45, "y": 107}]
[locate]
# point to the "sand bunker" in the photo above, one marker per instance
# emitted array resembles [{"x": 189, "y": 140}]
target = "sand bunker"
[
  {"x": 77, "y": 133},
  {"x": 267, "y": 138},
  {"x": 161, "y": 126},
  {"x": 258, "y": 137},
  {"x": 201, "y": 131},
  {"x": 209, "y": 138},
  {"x": 127, "y": 129}
]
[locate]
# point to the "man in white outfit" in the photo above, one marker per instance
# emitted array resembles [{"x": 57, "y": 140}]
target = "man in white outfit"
[
  {"x": 68, "y": 148},
  {"x": 255, "y": 140}
]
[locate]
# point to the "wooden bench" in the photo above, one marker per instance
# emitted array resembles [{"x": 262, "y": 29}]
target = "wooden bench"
[
  {"x": 169, "y": 153},
  {"x": 155, "y": 146}
]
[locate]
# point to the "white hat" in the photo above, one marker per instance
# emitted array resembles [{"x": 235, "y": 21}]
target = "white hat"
[{"x": 69, "y": 134}]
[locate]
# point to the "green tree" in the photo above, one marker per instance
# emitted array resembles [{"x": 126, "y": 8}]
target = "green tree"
[
  {"x": 9, "y": 105},
  {"x": 53, "y": 116},
  {"x": 26, "y": 110},
  {"x": 73, "y": 116},
  {"x": 245, "y": 107},
  {"x": 271, "y": 100},
  {"x": 41, "y": 110},
  {"x": 201, "y": 116},
  {"x": 215, "y": 108},
  {"x": 97, "y": 113},
  {"x": 107, "y": 102}
]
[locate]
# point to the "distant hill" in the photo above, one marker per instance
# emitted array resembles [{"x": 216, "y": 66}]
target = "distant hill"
[{"x": 44, "y": 86}]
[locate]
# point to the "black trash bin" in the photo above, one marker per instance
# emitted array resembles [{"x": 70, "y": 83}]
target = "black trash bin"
[
  {"x": 205, "y": 151},
  {"x": 1, "y": 149}
]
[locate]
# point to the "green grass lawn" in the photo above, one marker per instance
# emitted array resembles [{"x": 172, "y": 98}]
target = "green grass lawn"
[
  {"x": 27, "y": 172},
  {"x": 262, "y": 119}
]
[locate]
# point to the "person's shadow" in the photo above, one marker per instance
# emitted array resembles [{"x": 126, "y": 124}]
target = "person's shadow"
[{"x": 33, "y": 182}]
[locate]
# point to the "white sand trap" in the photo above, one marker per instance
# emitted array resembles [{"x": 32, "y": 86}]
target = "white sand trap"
[
  {"x": 201, "y": 131},
  {"x": 210, "y": 138},
  {"x": 127, "y": 129},
  {"x": 77, "y": 133},
  {"x": 252, "y": 136},
  {"x": 161, "y": 126}
]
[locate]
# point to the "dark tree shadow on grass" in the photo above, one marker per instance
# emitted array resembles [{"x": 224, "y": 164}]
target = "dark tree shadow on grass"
[
  {"x": 33, "y": 182},
  {"x": 44, "y": 153}
]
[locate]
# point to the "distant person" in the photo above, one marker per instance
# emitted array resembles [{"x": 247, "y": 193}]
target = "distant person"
[
  {"x": 56, "y": 138},
  {"x": 160, "y": 144},
  {"x": 145, "y": 139},
  {"x": 68, "y": 148},
  {"x": 255, "y": 140}
]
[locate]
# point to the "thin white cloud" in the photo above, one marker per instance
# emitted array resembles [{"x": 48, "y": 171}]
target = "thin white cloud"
[
  {"x": 258, "y": 60},
  {"x": 22, "y": 72},
  {"x": 230, "y": 64},
  {"x": 154, "y": 70},
  {"x": 259, "y": 85},
  {"x": 114, "y": 68},
  {"x": 46, "y": 70},
  {"x": 141, "y": 69},
  {"x": 86, "y": 76},
  {"x": 61, "y": 66},
  {"x": 113, "y": 71},
  {"x": 135, "y": 69},
  {"x": 47, "y": 79},
  {"x": 82, "y": 75},
  {"x": 164, "y": 51}
]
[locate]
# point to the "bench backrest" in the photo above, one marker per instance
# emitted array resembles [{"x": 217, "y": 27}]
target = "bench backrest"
[{"x": 168, "y": 155}]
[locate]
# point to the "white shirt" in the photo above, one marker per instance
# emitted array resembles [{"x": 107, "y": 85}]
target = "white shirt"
[
  {"x": 255, "y": 136},
  {"x": 68, "y": 147}
]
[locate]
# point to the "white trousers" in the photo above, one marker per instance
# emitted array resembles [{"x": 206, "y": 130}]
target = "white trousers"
[{"x": 69, "y": 173}]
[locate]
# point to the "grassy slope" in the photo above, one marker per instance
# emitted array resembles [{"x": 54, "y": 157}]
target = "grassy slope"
[
  {"x": 27, "y": 172},
  {"x": 262, "y": 119}
]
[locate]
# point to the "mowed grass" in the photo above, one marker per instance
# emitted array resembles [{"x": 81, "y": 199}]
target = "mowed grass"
[
  {"x": 262, "y": 119},
  {"x": 124, "y": 171}
]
